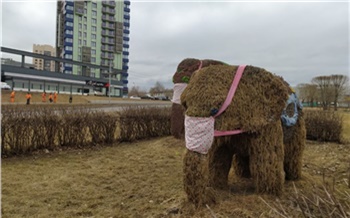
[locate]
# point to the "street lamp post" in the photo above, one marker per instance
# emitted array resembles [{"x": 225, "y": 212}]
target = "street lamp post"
[{"x": 110, "y": 73}]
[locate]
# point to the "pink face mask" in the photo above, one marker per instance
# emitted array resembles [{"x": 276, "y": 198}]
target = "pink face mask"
[{"x": 199, "y": 131}]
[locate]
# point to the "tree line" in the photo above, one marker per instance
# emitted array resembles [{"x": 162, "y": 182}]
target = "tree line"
[
  {"x": 325, "y": 91},
  {"x": 157, "y": 90}
]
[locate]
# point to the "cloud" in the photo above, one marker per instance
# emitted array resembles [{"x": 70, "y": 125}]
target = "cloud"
[{"x": 295, "y": 40}]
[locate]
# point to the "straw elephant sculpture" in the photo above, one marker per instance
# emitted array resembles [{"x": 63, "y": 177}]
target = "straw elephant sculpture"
[{"x": 250, "y": 135}]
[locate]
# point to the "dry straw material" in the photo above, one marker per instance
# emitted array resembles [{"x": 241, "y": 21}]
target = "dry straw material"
[
  {"x": 183, "y": 74},
  {"x": 261, "y": 152}
]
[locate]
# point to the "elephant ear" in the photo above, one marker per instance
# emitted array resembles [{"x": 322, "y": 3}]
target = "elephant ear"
[
  {"x": 259, "y": 100},
  {"x": 185, "y": 70}
]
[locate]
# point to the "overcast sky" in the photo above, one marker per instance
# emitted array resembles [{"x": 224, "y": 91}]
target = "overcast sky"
[{"x": 297, "y": 39}]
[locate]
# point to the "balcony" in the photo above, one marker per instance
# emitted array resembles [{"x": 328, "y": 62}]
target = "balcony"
[
  {"x": 108, "y": 10},
  {"x": 125, "y": 53},
  {"x": 127, "y": 2},
  {"x": 126, "y": 38},
  {"x": 108, "y": 18},
  {"x": 107, "y": 56},
  {"x": 125, "y": 67},
  {"x": 108, "y": 33},
  {"x": 107, "y": 48},
  {"x": 107, "y": 41},
  {"x": 108, "y": 25},
  {"x": 126, "y": 31},
  {"x": 125, "y": 74},
  {"x": 108, "y": 3},
  {"x": 127, "y": 9},
  {"x": 126, "y": 24},
  {"x": 125, "y": 81},
  {"x": 126, "y": 46},
  {"x": 125, "y": 60},
  {"x": 127, "y": 17}
]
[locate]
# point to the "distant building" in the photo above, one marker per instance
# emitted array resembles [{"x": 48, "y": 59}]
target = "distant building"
[
  {"x": 10, "y": 61},
  {"x": 41, "y": 64},
  {"x": 94, "y": 32}
]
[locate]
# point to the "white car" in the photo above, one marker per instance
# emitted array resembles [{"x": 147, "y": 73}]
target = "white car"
[
  {"x": 5, "y": 86},
  {"x": 135, "y": 97}
]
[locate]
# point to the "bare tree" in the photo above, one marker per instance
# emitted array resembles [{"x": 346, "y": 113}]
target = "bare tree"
[
  {"x": 307, "y": 93},
  {"x": 339, "y": 85},
  {"x": 135, "y": 91},
  {"x": 325, "y": 90},
  {"x": 158, "y": 89}
]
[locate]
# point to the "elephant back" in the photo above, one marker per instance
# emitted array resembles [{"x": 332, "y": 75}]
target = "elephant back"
[{"x": 259, "y": 99}]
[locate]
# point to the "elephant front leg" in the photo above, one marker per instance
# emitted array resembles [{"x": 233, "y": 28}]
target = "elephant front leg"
[
  {"x": 196, "y": 179},
  {"x": 220, "y": 160},
  {"x": 266, "y": 159}
]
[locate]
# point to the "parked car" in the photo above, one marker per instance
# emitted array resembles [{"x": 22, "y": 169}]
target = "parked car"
[
  {"x": 135, "y": 97},
  {"x": 5, "y": 86},
  {"x": 147, "y": 97},
  {"x": 97, "y": 93}
]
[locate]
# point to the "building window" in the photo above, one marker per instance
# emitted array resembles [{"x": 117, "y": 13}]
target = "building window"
[
  {"x": 66, "y": 40},
  {"x": 80, "y": 25},
  {"x": 94, "y": 5},
  {"x": 85, "y": 19},
  {"x": 48, "y": 87},
  {"x": 68, "y": 48},
  {"x": 93, "y": 28},
  {"x": 68, "y": 56},
  {"x": 93, "y": 44},
  {"x": 80, "y": 18},
  {"x": 41, "y": 86},
  {"x": 93, "y": 51},
  {"x": 93, "y": 60},
  {"x": 79, "y": 49},
  {"x": 79, "y": 41},
  {"x": 93, "y": 20},
  {"x": 84, "y": 42},
  {"x": 85, "y": 11},
  {"x": 85, "y": 34},
  {"x": 94, "y": 13},
  {"x": 80, "y": 34},
  {"x": 93, "y": 36},
  {"x": 85, "y": 26},
  {"x": 69, "y": 24},
  {"x": 79, "y": 57}
]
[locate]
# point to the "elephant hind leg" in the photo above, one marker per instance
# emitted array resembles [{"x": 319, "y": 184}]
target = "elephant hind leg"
[
  {"x": 293, "y": 150},
  {"x": 266, "y": 159},
  {"x": 196, "y": 179}
]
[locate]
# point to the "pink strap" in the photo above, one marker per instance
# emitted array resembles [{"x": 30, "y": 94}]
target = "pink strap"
[
  {"x": 223, "y": 133},
  {"x": 228, "y": 101},
  {"x": 232, "y": 91}
]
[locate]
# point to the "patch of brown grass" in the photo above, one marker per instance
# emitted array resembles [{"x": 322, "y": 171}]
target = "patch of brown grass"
[{"x": 144, "y": 179}]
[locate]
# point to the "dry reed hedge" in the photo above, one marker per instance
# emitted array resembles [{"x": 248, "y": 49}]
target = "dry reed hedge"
[
  {"x": 28, "y": 129},
  {"x": 323, "y": 126},
  {"x": 144, "y": 122}
]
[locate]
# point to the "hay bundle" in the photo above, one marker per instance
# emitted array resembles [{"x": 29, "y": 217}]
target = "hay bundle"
[
  {"x": 183, "y": 74},
  {"x": 256, "y": 108}
]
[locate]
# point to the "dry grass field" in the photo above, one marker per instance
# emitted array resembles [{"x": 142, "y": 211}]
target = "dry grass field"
[{"x": 144, "y": 179}]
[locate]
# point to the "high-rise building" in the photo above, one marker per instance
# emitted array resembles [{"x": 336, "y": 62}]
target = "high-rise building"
[
  {"x": 94, "y": 32},
  {"x": 41, "y": 64}
]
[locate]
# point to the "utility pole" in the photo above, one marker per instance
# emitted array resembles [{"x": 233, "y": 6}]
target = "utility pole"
[{"x": 110, "y": 73}]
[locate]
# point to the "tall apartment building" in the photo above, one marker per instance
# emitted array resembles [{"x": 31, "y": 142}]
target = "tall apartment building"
[
  {"x": 41, "y": 64},
  {"x": 95, "y": 32}
]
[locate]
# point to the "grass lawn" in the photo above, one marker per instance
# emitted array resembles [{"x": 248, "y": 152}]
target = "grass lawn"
[{"x": 144, "y": 179}]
